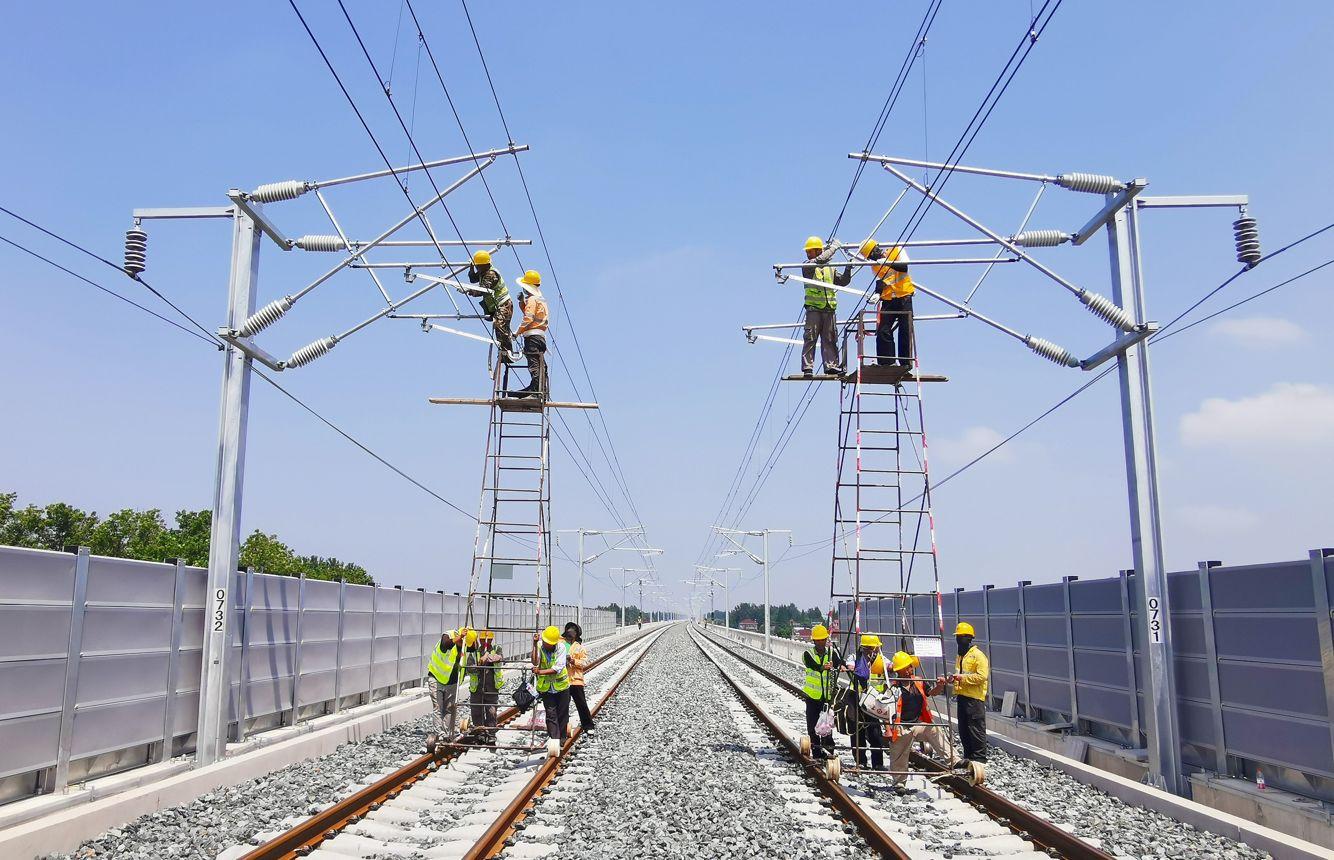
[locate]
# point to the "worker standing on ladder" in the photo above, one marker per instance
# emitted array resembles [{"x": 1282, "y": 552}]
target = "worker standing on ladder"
[
  {"x": 496, "y": 303},
  {"x": 534, "y": 333},
  {"x": 485, "y": 679},
  {"x": 822, "y": 666},
  {"x": 821, "y": 307},
  {"x": 868, "y": 673},
  {"x": 895, "y": 287},
  {"x": 971, "y": 671},
  {"x": 442, "y": 678},
  {"x": 552, "y": 679},
  {"x": 913, "y": 720}
]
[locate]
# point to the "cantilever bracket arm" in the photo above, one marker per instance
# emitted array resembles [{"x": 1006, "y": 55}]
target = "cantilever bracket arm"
[
  {"x": 1114, "y": 204},
  {"x": 256, "y": 212},
  {"x": 1120, "y": 345},
  {"x": 251, "y": 350}
]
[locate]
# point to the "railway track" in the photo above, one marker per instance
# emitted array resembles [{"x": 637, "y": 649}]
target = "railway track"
[
  {"x": 462, "y": 805},
  {"x": 987, "y": 822}
]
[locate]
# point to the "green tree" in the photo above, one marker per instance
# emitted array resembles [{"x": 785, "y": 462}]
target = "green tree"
[
  {"x": 133, "y": 534},
  {"x": 318, "y": 567},
  {"x": 268, "y": 554},
  {"x": 190, "y": 539}
]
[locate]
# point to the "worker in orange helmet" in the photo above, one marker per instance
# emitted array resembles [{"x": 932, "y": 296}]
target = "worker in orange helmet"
[{"x": 895, "y": 288}]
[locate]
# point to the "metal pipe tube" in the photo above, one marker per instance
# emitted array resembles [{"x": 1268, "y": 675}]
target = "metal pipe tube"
[
  {"x": 393, "y": 306},
  {"x": 970, "y": 312},
  {"x": 449, "y": 243},
  {"x": 923, "y": 243},
  {"x": 394, "y": 229},
  {"x": 491, "y": 154},
  {"x": 348, "y": 245},
  {"x": 1022, "y": 224},
  {"x": 953, "y": 168},
  {"x": 968, "y": 219},
  {"x": 948, "y": 261},
  {"x": 429, "y": 264}
]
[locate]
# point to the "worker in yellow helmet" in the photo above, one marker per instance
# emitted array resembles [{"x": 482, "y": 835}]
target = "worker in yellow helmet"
[
  {"x": 867, "y": 733},
  {"x": 496, "y": 303},
  {"x": 533, "y": 330},
  {"x": 552, "y": 679},
  {"x": 913, "y": 720},
  {"x": 442, "y": 678},
  {"x": 822, "y": 664},
  {"x": 821, "y": 306},
  {"x": 894, "y": 314},
  {"x": 971, "y": 671},
  {"x": 485, "y": 678}
]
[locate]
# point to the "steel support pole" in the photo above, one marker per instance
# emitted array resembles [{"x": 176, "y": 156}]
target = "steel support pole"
[
  {"x": 1145, "y": 520},
  {"x": 225, "y": 534},
  {"x": 768, "y": 649},
  {"x": 579, "y": 616}
]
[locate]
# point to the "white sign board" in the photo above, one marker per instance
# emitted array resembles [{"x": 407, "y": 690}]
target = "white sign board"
[
  {"x": 926, "y": 646},
  {"x": 502, "y": 571}
]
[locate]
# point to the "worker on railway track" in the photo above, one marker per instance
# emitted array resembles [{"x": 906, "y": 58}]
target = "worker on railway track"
[
  {"x": 485, "y": 679},
  {"x": 821, "y": 307},
  {"x": 893, "y": 316},
  {"x": 442, "y": 678},
  {"x": 578, "y": 663},
  {"x": 533, "y": 330},
  {"x": 822, "y": 666},
  {"x": 913, "y": 721},
  {"x": 868, "y": 674},
  {"x": 496, "y": 302},
  {"x": 971, "y": 671},
  {"x": 552, "y": 679}
]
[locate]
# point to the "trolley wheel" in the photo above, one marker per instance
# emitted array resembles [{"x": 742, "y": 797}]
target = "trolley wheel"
[
  {"x": 430, "y": 744},
  {"x": 833, "y": 768},
  {"x": 804, "y": 744},
  {"x": 977, "y": 773},
  {"x": 441, "y": 749},
  {"x": 553, "y": 748},
  {"x": 464, "y": 725}
]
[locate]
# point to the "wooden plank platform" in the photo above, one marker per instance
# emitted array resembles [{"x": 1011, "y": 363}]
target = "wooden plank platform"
[
  {"x": 511, "y": 404},
  {"x": 872, "y": 374}
]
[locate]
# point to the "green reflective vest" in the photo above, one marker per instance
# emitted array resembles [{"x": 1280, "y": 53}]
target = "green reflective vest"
[
  {"x": 820, "y": 683},
  {"x": 878, "y": 683},
  {"x": 550, "y": 683},
  {"x": 443, "y": 662},
  {"x": 476, "y": 671},
  {"x": 499, "y": 293},
  {"x": 822, "y": 298}
]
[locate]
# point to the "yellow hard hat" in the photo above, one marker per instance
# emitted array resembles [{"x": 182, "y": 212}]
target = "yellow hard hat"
[
  {"x": 819, "y": 633},
  {"x": 901, "y": 660},
  {"x": 815, "y": 243},
  {"x": 481, "y": 258},
  {"x": 532, "y": 278},
  {"x": 871, "y": 640},
  {"x": 470, "y": 638},
  {"x": 878, "y": 665},
  {"x": 964, "y": 629},
  {"x": 485, "y": 634},
  {"x": 868, "y": 248},
  {"x": 551, "y": 635}
]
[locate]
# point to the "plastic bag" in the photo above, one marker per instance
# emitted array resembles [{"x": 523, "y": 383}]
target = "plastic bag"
[
  {"x": 824, "y": 726},
  {"x": 879, "y": 705},
  {"x": 525, "y": 696}
]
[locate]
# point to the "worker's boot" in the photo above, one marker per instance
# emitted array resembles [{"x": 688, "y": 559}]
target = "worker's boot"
[{"x": 430, "y": 743}]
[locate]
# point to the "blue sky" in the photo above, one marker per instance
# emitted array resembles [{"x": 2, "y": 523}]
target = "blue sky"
[{"x": 678, "y": 150}]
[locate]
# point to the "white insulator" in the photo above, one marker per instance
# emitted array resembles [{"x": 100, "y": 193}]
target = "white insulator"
[
  {"x": 320, "y": 243},
  {"x": 274, "y": 192},
  {"x": 1103, "y": 307},
  {"x": 1041, "y": 238},
  {"x": 1090, "y": 183},
  {"x": 136, "y": 251},
  {"x": 265, "y": 316},
  {"x": 1247, "y": 236},
  {"x": 306, "y": 354},
  {"x": 1051, "y": 351}
]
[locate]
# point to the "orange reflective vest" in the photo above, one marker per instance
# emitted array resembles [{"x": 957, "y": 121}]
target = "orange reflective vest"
[{"x": 926, "y": 711}]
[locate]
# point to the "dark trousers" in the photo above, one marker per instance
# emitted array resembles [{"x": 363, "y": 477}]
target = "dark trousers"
[
  {"x": 558, "y": 714},
  {"x": 813, "y": 709},
  {"x": 895, "y": 316},
  {"x": 535, "y": 348},
  {"x": 821, "y": 326},
  {"x": 870, "y": 733},
  {"x": 484, "y": 708},
  {"x": 581, "y": 705},
  {"x": 972, "y": 728}
]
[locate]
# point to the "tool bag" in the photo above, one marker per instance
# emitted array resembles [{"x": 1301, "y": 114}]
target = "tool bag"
[
  {"x": 845, "y": 711},
  {"x": 880, "y": 705},
  {"x": 525, "y": 695}
]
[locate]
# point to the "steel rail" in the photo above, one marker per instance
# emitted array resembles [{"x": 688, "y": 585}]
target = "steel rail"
[
  {"x": 1043, "y": 833},
  {"x": 325, "y": 824},
  {"x": 492, "y": 842},
  {"x": 875, "y": 836}
]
